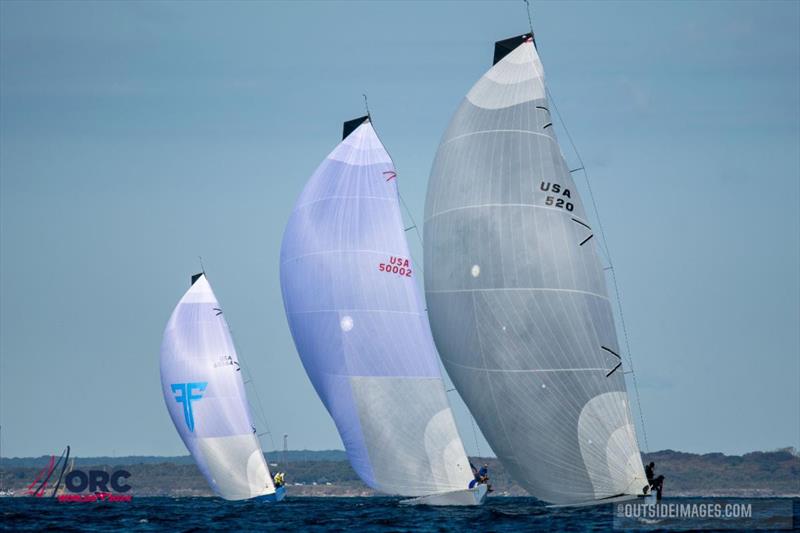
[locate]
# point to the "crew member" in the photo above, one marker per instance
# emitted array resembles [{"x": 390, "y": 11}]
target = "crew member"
[
  {"x": 483, "y": 476},
  {"x": 656, "y": 483}
]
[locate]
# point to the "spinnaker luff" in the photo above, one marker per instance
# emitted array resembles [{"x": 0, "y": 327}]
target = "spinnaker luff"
[
  {"x": 358, "y": 322},
  {"x": 517, "y": 296},
  {"x": 205, "y": 396}
]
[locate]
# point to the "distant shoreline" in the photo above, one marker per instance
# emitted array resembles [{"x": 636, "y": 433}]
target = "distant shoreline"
[{"x": 327, "y": 473}]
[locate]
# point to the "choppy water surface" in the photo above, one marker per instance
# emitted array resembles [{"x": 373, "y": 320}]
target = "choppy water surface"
[{"x": 365, "y": 514}]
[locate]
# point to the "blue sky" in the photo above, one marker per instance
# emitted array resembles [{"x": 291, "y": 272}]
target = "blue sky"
[{"x": 135, "y": 136}]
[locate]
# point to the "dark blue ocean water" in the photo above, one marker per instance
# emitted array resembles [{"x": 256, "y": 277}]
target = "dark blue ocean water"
[{"x": 362, "y": 514}]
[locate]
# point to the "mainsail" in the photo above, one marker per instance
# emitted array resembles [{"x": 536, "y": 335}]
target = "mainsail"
[
  {"x": 205, "y": 396},
  {"x": 359, "y": 325},
  {"x": 517, "y": 295}
]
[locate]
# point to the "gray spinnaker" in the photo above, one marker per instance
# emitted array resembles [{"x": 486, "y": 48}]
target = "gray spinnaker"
[{"x": 517, "y": 297}]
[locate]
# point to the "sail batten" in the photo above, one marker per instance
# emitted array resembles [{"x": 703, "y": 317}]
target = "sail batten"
[
  {"x": 356, "y": 316},
  {"x": 517, "y": 296}
]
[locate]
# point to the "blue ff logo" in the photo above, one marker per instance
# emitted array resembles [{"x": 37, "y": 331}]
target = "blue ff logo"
[{"x": 186, "y": 393}]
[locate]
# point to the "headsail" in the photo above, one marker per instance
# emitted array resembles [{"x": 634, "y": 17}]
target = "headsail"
[
  {"x": 358, "y": 322},
  {"x": 517, "y": 296},
  {"x": 205, "y": 397}
]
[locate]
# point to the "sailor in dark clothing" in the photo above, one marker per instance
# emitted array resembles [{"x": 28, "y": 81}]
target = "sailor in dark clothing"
[
  {"x": 483, "y": 476},
  {"x": 656, "y": 483}
]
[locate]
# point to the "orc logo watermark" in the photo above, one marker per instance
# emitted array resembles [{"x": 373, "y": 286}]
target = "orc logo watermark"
[{"x": 101, "y": 485}]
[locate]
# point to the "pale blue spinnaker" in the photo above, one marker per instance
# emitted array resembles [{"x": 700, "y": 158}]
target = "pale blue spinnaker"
[
  {"x": 358, "y": 321},
  {"x": 204, "y": 392}
]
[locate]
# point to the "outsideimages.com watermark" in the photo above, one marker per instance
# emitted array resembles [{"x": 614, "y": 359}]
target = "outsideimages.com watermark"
[
  {"x": 685, "y": 510},
  {"x": 699, "y": 514}
]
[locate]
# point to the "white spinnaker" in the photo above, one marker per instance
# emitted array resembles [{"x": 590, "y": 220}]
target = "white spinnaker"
[
  {"x": 205, "y": 397},
  {"x": 517, "y": 297},
  {"x": 358, "y": 321}
]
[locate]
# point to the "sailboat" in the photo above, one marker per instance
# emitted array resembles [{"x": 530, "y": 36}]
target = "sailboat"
[
  {"x": 38, "y": 488},
  {"x": 204, "y": 392},
  {"x": 517, "y": 296},
  {"x": 358, "y": 322}
]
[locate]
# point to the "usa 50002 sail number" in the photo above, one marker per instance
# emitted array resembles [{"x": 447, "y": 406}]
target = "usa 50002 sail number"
[{"x": 396, "y": 265}]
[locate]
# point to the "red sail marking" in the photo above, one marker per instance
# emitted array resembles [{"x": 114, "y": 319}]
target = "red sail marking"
[
  {"x": 391, "y": 173},
  {"x": 45, "y": 471},
  {"x": 396, "y": 265}
]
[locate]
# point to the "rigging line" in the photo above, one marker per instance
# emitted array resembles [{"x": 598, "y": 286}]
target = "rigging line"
[
  {"x": 366, "y": 105},
  {"x": 421, "y": 269},
  {"x": 402, "y": 200},
  {"x": 528, "y": 9},
  {"x": 414, "y": 226},
  {"x": 475, "y": 434},
  {"x": 452, "y": 388},
  {"x": 630, "y": 360},
  {"x": 202, "y": 268},
  {"x": 260, "y": 413},
  {"x": 610, "y": 264},
  {"x": 585, "y": 173}
]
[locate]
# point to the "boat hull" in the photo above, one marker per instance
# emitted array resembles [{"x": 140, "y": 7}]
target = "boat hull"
[
  {"x": 647, "y": 499},
  {"x": 466, "y": 497},
  {"x": 275, "y": 497}
]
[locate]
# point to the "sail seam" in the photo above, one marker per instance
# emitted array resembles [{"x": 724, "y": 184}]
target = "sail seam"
[
  {"x": 475, "y": 206},
  {"x": 437, "y": 291},
  {"x": 357, "y": 310},
  {"x": 488, "y": 383},
  {"x": 371, "y": 377},
  {"x": 524, "y": 371},
  {"x": 298, "y": 207},
  {"x": 342, "y": 250},
  {"x": 496, "y": 131}
]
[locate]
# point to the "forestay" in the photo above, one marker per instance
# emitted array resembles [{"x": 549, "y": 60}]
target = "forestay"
[
  {"x": 358, "y": 322},
  {"x": 517, "y": 296},
  {"x": 205, "y": 396}
]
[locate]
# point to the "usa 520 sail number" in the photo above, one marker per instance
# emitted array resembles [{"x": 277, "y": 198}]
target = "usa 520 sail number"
[{"x": 556, "y": 189}]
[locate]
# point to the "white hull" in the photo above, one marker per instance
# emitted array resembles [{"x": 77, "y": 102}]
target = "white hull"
[
  {"x": 647, "y": 499},
  {"x": 473, "y": 496}
]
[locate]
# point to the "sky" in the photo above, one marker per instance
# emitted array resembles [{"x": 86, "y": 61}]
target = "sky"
[{"x": 137, "y": 136}]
